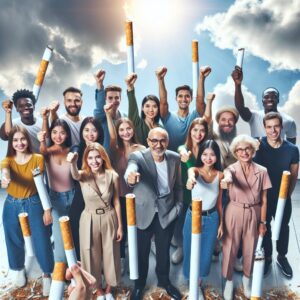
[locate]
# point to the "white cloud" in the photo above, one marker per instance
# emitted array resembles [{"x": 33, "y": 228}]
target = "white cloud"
[
  {"x": 142, "y": 64},
  {"x": 225, "y": 97},
  {"x": 268, "y": 29}
]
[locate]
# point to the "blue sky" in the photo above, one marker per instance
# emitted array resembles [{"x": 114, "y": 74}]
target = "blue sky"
[{"x": 89, "y": 37}]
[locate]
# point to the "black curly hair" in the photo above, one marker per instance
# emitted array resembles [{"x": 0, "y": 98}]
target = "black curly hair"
[{"x": 23, "y": 94}]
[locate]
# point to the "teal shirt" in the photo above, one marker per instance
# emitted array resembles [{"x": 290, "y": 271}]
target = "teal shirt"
[{"x": 187, "y": 194}]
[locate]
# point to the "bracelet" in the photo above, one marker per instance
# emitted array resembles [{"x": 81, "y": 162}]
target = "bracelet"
[{"x": 263, "y": 222}]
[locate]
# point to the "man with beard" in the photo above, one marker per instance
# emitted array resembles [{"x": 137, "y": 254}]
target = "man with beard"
[
  {"x": 155, "y": 175},
  {"x": 226, "y": 118},
  {"x": 270, "y": 100},
  {"x": 110, "y": 95},
  {"x": 24, "y": 102},
  {"x": 73, "y": 104}
]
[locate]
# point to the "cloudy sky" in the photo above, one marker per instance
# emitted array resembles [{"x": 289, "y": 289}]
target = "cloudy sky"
[{"x": 89, "y": 35}]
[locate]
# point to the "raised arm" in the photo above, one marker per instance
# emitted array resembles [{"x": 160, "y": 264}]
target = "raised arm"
[
  {"x": 53, "y": 108},
  {"x": 41, "y": 136},
  {"x": 163, "y": 97},
  {"x": 237, "y": 76},
  {"x": 133, "y": 111},
  {"x": 208, "y": 112},
  {"x": 200, "y": 104},
  {"x": 111, "y": 127},
  {"x": 99, "y": 112},
  {"x": 7, "y": 105},
  {"x": 45, "y": 115},
  {"x": 72, "y": 158}
]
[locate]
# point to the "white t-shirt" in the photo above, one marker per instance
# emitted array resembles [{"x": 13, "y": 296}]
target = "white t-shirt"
[
  {"x": 33, "y": 130},
  {"x": 257, "y": 125},
  {"x": 74, "y": 127},
  {"x": 162, "y": 178}
]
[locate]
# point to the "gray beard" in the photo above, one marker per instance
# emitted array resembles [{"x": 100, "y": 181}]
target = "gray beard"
[{"x": 227, "y": 137}]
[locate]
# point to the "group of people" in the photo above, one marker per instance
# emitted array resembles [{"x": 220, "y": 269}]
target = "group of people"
[{"x": 167, "y": 159}]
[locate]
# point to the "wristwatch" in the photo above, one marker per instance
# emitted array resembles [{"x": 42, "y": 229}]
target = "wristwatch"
[{"x": 263, "y": 222}]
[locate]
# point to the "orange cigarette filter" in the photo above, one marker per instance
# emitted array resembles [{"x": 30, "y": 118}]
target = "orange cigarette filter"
[
  {"x": 195, "y": 57},
  {"x": 41, "y": 72},
  {"x": 59, "y": 271},
  {"x": 66, "y": 232},
  {"x": 24, "y": 222},
  {"x": 255, "y": 298},
  {"x": 129, "y": 33},
  {"x": 130, "y": 209},
  {"x": 196, "y": 216},
  {"x": 285, "y": 184}
]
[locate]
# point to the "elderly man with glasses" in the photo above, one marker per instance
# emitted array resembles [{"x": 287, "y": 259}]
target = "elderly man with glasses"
[{"x": 155, "y": 175}]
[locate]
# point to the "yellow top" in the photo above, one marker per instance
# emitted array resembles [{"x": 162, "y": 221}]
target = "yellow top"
[{"x": 22, "y": 184}]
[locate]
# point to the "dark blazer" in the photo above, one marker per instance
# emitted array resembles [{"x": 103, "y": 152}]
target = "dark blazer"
[{"x": 146, "y": 190}]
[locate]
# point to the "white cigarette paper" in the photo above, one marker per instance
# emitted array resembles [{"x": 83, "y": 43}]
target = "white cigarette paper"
[
  {"x": 23, "y": 218},
  {"x": 280, "y": 205},
  {"x": 258, "y": 274},
  {"x": 130, "y": 47},
  {"x": 132, "y": 237},
  {"x": 42, "y": 71},
  {"x": 240, "y": 57},
  {"x": 195, "y": 250},
  {"x": 41, "y": 188}
]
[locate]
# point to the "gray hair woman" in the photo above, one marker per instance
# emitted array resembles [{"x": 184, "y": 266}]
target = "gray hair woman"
[{"x": 245, "y": 214}]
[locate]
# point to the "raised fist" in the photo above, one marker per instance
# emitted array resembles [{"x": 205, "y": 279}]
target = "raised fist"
[
  {"x": 190, "y": 183},
  {"x": 210, "y": 96},
  {"x": 205, "y": 71},
  {"x": 41, "y": 136},
  {"x": 237, "y": 75},
  {"x": 161, "y": 72},
  {"x": 72, "y": 157},
  {"x": 44, "y": 112},
  {"x": 99, "y": 77},
  {"x": 131, "y": 79},
  {"x": 54, "y": 106},
  {"x": 7, "y": 105}
]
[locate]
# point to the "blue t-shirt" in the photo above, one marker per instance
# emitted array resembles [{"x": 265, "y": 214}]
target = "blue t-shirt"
[
  {"x": 177, "y": 128},
  {"x": 276, "y": 160}
]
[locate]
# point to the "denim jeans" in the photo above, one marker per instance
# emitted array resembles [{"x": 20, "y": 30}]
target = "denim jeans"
[
  {"x": 210, "y": 226},
  {"x": 39, "y": 232},
  {"x": 61, "y": 203}
]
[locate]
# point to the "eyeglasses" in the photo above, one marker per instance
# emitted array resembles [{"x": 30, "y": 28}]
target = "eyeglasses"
[
  {"x": 241, "y": 150},
  {"x": 156, "y": 141}
]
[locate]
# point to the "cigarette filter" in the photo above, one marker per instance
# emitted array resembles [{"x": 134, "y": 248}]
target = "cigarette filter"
[
  {"x": 195, "y": 249},
  {"x": 58, "y": 281},
  {"x": 258, "y": 275},
  {"x": 195, "y": 65},
  {"x": 41, "y": 188},
  {"x": 283, "y": 192},
  {"x": 130, "y": 47},
  {"x": 24, "y": 222},
  {"x": 42, "y": 71},
  {"x": 66, "y": 234},
  {"x": 240, "y": 57},
  {"x": 132, "y": 237}
]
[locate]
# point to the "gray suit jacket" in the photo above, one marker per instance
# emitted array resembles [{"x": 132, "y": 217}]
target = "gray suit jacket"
[{"x": 146, "y": 190}]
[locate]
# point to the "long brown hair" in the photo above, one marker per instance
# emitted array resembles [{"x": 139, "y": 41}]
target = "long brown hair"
[
  {"x": 16, "y": 128},
  {"x": 119, "y": 140},
  {"x": 95, "y": 146},
  {"x": 198, "y": 121}
]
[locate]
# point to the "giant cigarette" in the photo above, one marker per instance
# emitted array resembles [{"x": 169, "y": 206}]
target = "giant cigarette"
[
  {"x": 41, "y": 188},
  {"x": 24, "y": 222},
  {"x": 283, "y": 192},
  {"x": 66, "y": 233},
  {"x": 240, "y": 58},
  {"x": 132, "y": 237},
  {"x": 258, "y": 271},
  {"x": 195, "y": 65},
  {"x": 130, "y": 47},
  {"x": 195, "y": 249},
  {"x": 40, "y": 76},
  {"x": 58, "y": 281}
]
